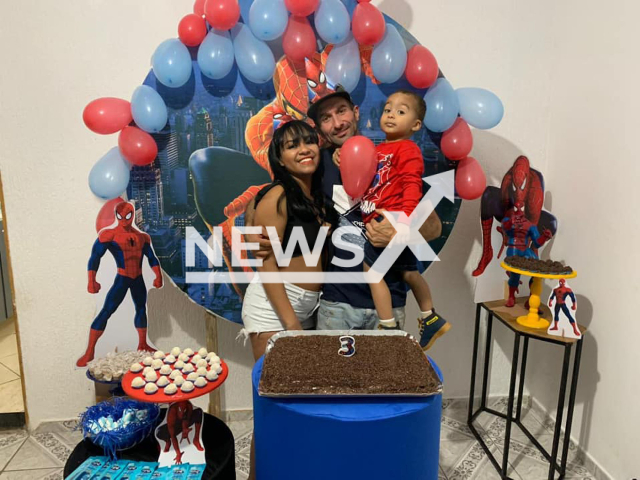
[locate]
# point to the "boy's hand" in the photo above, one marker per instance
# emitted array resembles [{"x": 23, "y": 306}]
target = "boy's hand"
[{"x": 336, "y": 157}]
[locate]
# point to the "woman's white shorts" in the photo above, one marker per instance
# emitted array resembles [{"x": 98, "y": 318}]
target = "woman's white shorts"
[{"x": 258, "y": 314}]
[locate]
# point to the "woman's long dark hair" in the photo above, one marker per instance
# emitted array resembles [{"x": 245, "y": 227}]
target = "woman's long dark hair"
[{"x": 297, "y": 202}]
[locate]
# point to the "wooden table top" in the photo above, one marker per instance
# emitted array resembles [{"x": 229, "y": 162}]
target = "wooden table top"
[{"x": 509, "y": 315}]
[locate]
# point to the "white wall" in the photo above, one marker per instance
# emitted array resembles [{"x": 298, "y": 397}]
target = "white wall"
[
  {"x": 593, "y": 174},
  {"x": 564, "y": 73}
]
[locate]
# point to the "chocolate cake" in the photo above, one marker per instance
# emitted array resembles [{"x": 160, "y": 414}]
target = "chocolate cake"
[
  {"x": 382, "y": 365},
  {"x": 548, "y": 267}
]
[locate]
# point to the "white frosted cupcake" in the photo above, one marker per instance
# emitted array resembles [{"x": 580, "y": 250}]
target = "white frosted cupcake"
[
  {"x": 183, "y": 357},
  {"x": 200, "y": 382},
  {"x": 188, "y": 351},
  {"x": 192, "y": 377},
  {"x": 147, "y": 361},
  {"x": 157, "y": 364},
  {"x": 163, "y": 382},
  {"x": 165, "y": 370},
  {"x": 178, "y": 381},
  {"x": 158, "y": 355},
  {"x": 188, "y": 368},
  {"x": 170, "y": 389},
  {"x": 175, "y": 351},
  {"x": 136, "y": 367},
  {"x": 195, "y": 359},
  {"x": 150, "y": 388},
  {"x": 216, "y": 367},
  {"x": 138, "y": 382},
  {"x": 169, "y": 359},
  {"x": 151, "y": 377},
  {"x": 211, "y": 376},
  {"x": 175, "y": 374},
  {"x": 186, "y": 387},
  {"x": 203, "y": 352}
]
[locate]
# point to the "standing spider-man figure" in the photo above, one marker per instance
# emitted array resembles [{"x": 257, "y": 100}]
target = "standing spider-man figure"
[
  {"x": 522, "y": 237},
  {"x": 560, "y": 293},
  {"x": 521, "y": 184},
  {"x": 128, "y": 245}
]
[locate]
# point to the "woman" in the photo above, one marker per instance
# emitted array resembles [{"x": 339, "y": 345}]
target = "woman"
[{"x": 294, "y": 199}]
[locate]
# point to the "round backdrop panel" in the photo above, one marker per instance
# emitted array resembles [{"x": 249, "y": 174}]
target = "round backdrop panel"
[{"x": 211, "y": 162}]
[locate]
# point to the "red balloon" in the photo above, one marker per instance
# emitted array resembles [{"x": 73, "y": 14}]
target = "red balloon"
[
  {"x": 222, "y": 14},
  {"x": 368, "y": 24},
  {"x": 422, "y": 67},
  {"x": 457, "y": 142},
  {"x": 358, "y": 164},
  {"x": 301, "y": 8},
  {"x": 192, "y": 29},
  {"x": 198, "y": 8},
  {"x": 107, "y": 215},
  {"x": 470, "y": 179},
  {"x": 107, "y": 115},
  {"x": 299, "y": 41},
  {"x": 137, "y": 146}
]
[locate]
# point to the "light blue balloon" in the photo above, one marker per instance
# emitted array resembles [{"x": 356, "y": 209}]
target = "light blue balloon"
[
  {"x": 389, "y": 57},
  {"x": 442, "y": 106},
  {"x": 343, "y": 64},
  {"x": 215, "y": 54},
  {"x": 171, "y": 63},
  {"x": 109, "y": 177},
  {"x": 268, "y": 19},
  {"x": 480, "y": 108},
  {"x": 254, "y": 57},
  {"x": 148, "y": 109},
  {"x": 332, "y": 21}
]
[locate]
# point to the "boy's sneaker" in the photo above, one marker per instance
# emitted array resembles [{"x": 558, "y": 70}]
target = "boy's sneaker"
[
  {"x": 388, "y": 325},
  {"x": 431, "y": 328}
]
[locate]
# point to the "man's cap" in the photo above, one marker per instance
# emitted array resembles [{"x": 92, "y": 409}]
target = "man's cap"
[{"x": 337, "y": 92}]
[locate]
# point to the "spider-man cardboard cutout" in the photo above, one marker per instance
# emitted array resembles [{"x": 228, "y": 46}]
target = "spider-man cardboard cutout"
[{"x": 129, "y": 248}]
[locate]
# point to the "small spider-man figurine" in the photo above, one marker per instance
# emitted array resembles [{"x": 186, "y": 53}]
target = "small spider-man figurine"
[
  {"x": 560, "y": 293},
  {"x": 180, "y": 418},
  {"x": 522, "y": 237},
  {"x": 128, "y": 245}
]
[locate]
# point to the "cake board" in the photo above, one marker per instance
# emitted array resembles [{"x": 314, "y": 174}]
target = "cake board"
[{"x": 370, "y": 437}]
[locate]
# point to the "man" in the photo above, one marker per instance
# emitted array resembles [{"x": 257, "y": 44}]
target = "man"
[{"x": 349, "y": 306}]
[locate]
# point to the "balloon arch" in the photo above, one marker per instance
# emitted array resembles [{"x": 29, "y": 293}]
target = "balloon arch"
[{"x": 192, "y": 139}]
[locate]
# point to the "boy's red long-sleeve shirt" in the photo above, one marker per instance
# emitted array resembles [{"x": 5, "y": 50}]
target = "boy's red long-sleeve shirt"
[{"x": 397, "y": 185}]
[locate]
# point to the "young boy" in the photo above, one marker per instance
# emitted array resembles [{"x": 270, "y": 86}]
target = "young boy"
[{"x": 397, "y": 186}]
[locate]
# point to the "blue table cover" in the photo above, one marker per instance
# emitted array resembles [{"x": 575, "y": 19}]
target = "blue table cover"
[{"x": 372, "y": 437}]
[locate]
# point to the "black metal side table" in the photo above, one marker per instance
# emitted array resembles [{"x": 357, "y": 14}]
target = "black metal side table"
[{"x": 507, "y": 316}]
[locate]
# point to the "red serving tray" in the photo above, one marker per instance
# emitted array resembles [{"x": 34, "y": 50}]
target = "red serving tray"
[{"x": 179, "y": 396}]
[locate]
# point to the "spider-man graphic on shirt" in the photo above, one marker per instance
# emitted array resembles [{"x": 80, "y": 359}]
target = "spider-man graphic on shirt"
[{"x": 129, "y": 246}]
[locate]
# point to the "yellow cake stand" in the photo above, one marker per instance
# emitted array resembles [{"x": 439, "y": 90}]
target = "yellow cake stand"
[{"x": 532, "y": 319}]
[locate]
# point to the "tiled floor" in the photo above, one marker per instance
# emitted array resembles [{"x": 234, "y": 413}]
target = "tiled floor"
[
  {"x": 42, "y": 454},
  {"x": 10, "y": 386}
]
